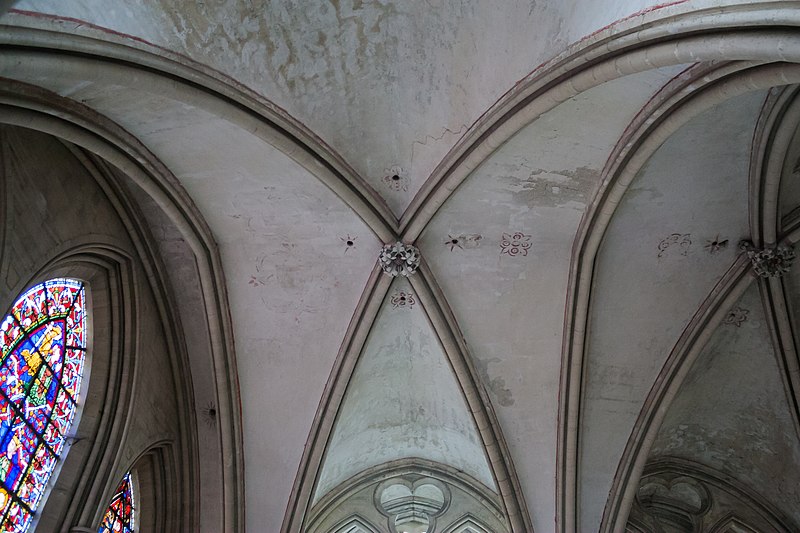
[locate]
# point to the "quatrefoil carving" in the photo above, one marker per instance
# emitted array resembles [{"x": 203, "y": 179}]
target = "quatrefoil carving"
[{"x": 412, "y": 506}]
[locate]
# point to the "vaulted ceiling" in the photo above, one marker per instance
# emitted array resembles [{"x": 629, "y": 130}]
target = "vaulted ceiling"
[{"x": 577, "y": 177}]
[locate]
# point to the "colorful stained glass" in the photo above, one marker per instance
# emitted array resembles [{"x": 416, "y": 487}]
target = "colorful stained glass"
[
  {"x": 119, "y": 517},
  {"x": 43, "y": 347}
]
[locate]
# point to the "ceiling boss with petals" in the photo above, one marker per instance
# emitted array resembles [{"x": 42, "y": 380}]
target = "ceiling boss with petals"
[{"x": 425, "y": 267}]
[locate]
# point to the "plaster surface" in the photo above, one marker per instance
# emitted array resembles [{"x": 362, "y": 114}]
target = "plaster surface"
[
  {"x": 293, "y": 281},
  {"x": 748, "y": 436},
  {"x": 538, "y": 184},
  {"x": 654, "y": 269},
  {"x": 789, "y": 196},
  {"x": 402, "y": 401},
  {"x": 50, "y": 204},
  {"x": 391, "y": 86}
]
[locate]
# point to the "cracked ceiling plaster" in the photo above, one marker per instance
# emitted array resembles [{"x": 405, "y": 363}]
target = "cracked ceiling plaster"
[{"x": 391, "y": 87}]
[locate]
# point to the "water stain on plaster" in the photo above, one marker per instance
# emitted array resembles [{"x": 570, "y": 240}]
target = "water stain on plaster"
[
  {"x": 553, "y": 188},
  {"x": 731, "y": 448},
  {"x": 329, "y": 42},
  {"x": 752, "y": 449},
  {"x": 496, "y": 385}
]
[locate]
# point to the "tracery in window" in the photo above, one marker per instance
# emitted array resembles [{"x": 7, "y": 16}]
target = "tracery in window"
[
  {"x": 119, "y": 517},
  {"x": 43, "y": 347}
]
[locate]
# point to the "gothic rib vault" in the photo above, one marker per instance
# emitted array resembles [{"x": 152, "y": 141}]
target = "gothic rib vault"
[{"x": 584, "y": 347}]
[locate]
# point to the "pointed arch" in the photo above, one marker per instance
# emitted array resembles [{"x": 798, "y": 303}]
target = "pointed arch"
[
  {"x": 435, "y": 307},
  {"x": 642, "y": 142},
  {"x": 777, "y": 130},
  {"x": 461, "y": 501},
  {"x": 444, "y": 324},
  {"x": 154, "y": 492},
  {"x": 733, "y": 524},
  {"x": 355, "y": 524},
  {"x": 39, "y": 110},
  {"x": 468, "y": 524},
  {"x": 213, "y": 91},
  {"x": 770, "y": 142},
  {"x": 104, "y": 272},
  {"x": 667, "y": 35},
  {"x": 706, "y": 499}
]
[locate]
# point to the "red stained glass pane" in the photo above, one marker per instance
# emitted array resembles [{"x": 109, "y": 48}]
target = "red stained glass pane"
[
  {"x": 35, "y": 408},
  {"x": 17, "y": 519},
  {"x": 73, "y": 370},
  {"x": 10, "y": 333},
  {"x": 63, "y": 412},
  {"x": 54, "y": 439},
  {"x": 119, "y": 517},
  {"x": 76, "y": 325},
  {"x": 60, "y": 296},
  {"x": 31, "y": 309},
  {"x": 36, "y": 479}
]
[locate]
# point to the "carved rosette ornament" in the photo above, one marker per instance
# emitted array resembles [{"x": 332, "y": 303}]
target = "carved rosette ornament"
[
  {"x": 769, "y": 262},
  {"x": 399, "y": 259}
]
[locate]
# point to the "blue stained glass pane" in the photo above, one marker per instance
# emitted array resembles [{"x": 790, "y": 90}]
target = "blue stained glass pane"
[
  {"x": 18, "y": 447},
  {"x": 36, "y": 409},
  {"x": 40, "y": 400},
  {"x": 6, "y": 417}
]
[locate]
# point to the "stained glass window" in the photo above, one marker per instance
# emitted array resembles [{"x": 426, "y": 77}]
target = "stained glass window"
[
  {"x": 119, "y": 517},
  {"x": 42, "y": 345}
]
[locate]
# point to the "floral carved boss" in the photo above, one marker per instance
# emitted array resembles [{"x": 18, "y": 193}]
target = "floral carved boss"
[
  {"x": 399, "y": 259},
  {"x": 769, "y": 262}
]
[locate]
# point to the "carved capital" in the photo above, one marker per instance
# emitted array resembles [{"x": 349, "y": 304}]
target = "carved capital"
[
  {"x": 769, "y": 262},
  {"x": 399, "y": 259}
]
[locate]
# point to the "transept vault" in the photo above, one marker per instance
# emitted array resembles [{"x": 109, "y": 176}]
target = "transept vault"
[{"x": 371, "y": 266}]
